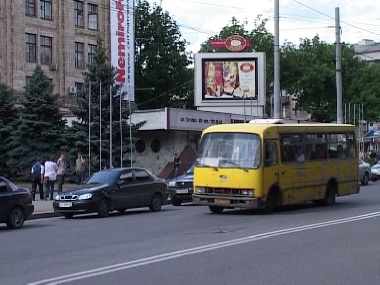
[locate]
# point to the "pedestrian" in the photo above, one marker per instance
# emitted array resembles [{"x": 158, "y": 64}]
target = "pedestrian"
[
  {"x": 38, "y": 178},
  {"x": 80, "y": 168},
  {"x": 340, "y": 151},
  {"x": 61, "y": 173},
  {"x": 176, "y": 163},
  {"x": 50, "y": 177},
  {"x": 300, "y": 157}
]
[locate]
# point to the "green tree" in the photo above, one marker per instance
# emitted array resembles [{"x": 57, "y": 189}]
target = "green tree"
[
  {"x": 99, "y": 81},
  {"x": 309, "y": 72},
  {"x": 38, "y": 130},
  {"x": 310, "y": 76},
  {"x": 8, "y": 114},
  {"x": 161, "y": 60},
  {"x": 364, "y": 89}
]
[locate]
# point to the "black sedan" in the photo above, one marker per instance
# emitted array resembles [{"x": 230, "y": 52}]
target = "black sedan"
[
  {"x": 113, "y": 189},
  {"x": 15, "y": 204}
]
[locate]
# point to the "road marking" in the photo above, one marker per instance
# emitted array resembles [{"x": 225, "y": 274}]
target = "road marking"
[{"x": 195, "y": 250}]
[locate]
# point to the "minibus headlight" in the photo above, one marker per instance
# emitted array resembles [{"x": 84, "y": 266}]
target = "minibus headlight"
[
  {"x": 200, "y": 190},
  {"x": 247, "y": 192}
]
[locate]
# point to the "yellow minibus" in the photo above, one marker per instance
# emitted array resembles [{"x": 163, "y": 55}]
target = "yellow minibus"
[{"x": 267, "y": 165}]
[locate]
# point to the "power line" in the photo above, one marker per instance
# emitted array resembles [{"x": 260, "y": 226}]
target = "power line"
[
  {"x": 346, "y": 23},
  {"x": 167, "y": 92},
  {"x": 315, "y": 10}
]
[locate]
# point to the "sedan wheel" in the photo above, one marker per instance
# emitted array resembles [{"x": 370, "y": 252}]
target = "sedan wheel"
[
  {"x": 103, "y": 209},
  {"x": 16, "y": 218},
  {"x": 155, "y": 203}
]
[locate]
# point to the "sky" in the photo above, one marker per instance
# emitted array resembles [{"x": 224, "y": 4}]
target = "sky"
[{"x": 200, "y": 19}]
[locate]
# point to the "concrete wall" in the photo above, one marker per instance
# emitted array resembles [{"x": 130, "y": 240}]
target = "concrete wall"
[{"x": 171, "y": 142}]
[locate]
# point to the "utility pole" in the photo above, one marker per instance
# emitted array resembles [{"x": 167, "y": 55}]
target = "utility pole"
[
  {"x": 276, "y": 91},
  {"x": 110, "y": 126},
  {"x": 339, "y": 111},
  {"x": 89, "y": 129}
]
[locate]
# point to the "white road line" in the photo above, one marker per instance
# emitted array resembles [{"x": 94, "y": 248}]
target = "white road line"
[{"x": 195, "y": 250}]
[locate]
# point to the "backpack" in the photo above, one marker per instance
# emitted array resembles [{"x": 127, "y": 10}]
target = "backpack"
[{"x": 36, "y": 170}]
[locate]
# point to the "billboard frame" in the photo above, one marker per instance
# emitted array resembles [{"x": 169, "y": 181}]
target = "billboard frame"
[{"x": 203, "y": 99}]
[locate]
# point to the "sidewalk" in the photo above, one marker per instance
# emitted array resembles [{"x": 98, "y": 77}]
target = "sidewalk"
[{"x": 44, "y": 209}]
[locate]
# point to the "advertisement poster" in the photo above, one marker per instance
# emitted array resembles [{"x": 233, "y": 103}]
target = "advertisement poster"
[{"x": 233, "y": 79}]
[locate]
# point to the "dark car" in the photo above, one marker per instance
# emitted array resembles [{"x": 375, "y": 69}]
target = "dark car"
[
  {"x": 15, "y": 204},
  {"x": 113, "y": 189},
  {"x": 180, "y": 189}
]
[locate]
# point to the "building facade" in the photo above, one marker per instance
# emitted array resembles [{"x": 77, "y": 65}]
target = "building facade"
[
  {"x": 368, "y": 50},
  {"x": 58, "y": 35}
]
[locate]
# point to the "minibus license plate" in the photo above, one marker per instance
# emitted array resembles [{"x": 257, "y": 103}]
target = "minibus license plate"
[{"x": 221, "y": 201}]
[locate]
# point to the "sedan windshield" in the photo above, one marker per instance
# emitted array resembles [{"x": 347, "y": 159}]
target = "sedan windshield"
[
  {"x": 226, "y": 150},
  {"x": 103, "y": 177}
]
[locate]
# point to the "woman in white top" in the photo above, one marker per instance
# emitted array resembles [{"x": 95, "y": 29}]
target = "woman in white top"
[{"x": 51, "y": 169}]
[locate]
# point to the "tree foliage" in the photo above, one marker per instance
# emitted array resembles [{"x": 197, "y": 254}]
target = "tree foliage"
[
  {"x": 37, "y": 131},
  {"x": 8, "y": 114},
  {"x": 94, "y": 99},
  {"x": 364, "y": 89},
  {"x": 309, "y": 72},
  {"x": 161, "y": 60}
]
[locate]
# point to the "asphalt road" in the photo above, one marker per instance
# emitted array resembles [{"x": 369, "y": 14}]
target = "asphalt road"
[{"x": 189, "y": 245}]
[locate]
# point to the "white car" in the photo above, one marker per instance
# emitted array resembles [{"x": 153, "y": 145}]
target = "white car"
[
  {"x": 364, "y": 172},
  {"x": 375, "y": 172}
]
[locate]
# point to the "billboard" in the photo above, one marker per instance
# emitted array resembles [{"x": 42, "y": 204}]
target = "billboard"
[
  {"x": 123, "y": 45},
  {"x": 229, "y": 78}
]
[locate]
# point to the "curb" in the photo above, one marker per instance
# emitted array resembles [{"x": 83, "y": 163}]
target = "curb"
[{"x": 43, "y": 215}]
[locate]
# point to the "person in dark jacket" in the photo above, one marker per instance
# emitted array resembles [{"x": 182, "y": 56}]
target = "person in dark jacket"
[{"x": 38, "y": 178}]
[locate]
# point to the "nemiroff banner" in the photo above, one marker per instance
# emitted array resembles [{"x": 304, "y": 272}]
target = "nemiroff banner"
[{"x": 122, "y": 44}]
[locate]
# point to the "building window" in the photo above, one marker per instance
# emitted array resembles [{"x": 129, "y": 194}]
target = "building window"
[
  {"x": 91, "y": 53},
  {"x": 28, "y": 80},
  {"x": 79, "y": 55},
  {"x": 30, "y": 48},
  {"x": 79, "y": 87},
  {"x": 46, "y": 9},
  {"x": 46, "y": 50},
  {"x": 30, "y": 7},
  {"x": 92, "y": 17},
  {"x": 155, "y": 145},
  {"x": 140, "y": 146},
  {"x": 79, "y": 22}
]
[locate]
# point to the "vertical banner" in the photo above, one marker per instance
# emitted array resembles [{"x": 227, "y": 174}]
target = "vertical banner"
[{"x": 123, "y": 45}]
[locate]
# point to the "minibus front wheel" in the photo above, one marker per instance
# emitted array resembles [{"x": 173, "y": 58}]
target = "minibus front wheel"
[{"x": 216, "y": 209}]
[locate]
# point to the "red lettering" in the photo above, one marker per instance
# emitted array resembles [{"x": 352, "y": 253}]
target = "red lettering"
[{"x": 120, "y": 70}]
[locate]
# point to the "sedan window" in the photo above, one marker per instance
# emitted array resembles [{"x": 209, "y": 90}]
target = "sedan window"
[
  {"x": 3, "y": 187},
  {"x": 126, "y": 177},
  {"x": 142, "y": 175},
  {"x": 103, "y": 177}
]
